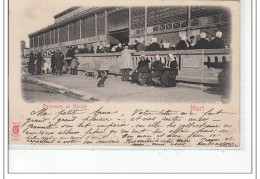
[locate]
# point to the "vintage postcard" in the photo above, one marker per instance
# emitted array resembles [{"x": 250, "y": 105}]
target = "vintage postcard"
[{"x": 163, "y": 74}]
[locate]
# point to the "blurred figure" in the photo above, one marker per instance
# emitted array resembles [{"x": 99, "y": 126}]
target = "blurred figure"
[
  {"x": 119, "y": 48},
  {"x": 141, "y": 74},
  {"x": 170, "y": 72},
  {"x": 192, "y": 42},
  {"x": 31, "y": 64},
  {"x": 162, "y": 44},
  {"x": 182, "y": 44},
  {"x": 136, "y": 43},
  {"x": 100, "y": 49},
  {"x": 68, "y": 54},
  {"x": 53, "y": 63},
  {"x": 156, "y": 70},
  {"x": 202, "y": 43},
  {"x": 217, "y": 42},
  {"x": 59, "y": 62},
  {"x": 85, "y": 49},
  {"x": 74, "y": 65},
  {"x": 126, "y": 63},
  {"x": 39, "y": 63},
  {"x": 108, "y": 49},
  {"x": 224, "y": 79},
  {"x": 154, "y": 46},
  {"x": 91, "y": 50},
  {"x": 141, "y": 47}
]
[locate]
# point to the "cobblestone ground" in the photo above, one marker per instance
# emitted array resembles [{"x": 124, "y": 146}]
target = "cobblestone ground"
[{"x": 120, "y": 91}]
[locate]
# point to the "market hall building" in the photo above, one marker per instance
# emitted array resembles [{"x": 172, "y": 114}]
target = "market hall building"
[{"x": 112, "y": 25}]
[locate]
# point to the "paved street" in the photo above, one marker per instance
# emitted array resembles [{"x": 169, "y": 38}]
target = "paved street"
[
  {"x": 35, "y": 92},
  {"x": 114, "y": 90}
]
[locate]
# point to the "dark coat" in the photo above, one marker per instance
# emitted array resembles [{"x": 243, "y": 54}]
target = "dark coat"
[
  {"x": 39, "y": 60},
  {"x": 85, "y": 50},
  {"x": 53, "y": 60},
  {"x": 59, "y": 61},
  {"x": 135, "y": 45},
  {"x": 119, "y": 49},
  {"x": 157, "y": 66},
  {"x": 216, "y": 43},
  {"x": 154, "y": 47},
  {"x": 181, "y": 45},
  {"x": 201, "y": 44},
  {"x": 140, "y": 47}
]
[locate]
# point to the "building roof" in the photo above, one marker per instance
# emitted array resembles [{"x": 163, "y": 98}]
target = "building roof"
[
  {"x": 87, "y": 11},
  {"x": 66, "y": 11},
  {"x": 67, "y": 20}
]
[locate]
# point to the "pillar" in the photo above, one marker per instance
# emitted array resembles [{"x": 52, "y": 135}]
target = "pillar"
[
  {"x": 145, "y": 26},
  {"x": 129, "y": 20}
]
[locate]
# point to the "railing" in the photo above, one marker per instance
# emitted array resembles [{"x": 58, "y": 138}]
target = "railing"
[{"x": 197, "y": 66}]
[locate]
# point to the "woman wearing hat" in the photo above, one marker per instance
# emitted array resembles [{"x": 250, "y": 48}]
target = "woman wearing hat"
[
  {"x": 169, "y": 73},
  {"x": 156, "y": 70}
]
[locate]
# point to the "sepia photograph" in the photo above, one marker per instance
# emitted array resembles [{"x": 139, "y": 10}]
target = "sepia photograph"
[
  {"x": 128, "y": 54},
  {"x": 152, "y": 86},
  {"x": 139, "y": 75}
]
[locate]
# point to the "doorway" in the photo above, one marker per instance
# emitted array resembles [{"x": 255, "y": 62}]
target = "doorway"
[{"x": 119, "y": 36}]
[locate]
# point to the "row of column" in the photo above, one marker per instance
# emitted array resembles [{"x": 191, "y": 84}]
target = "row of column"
[
  {"x": 44, "y": 42},
  {"x": 106, "y": 26},
  {"x": 188, "y": 31}
]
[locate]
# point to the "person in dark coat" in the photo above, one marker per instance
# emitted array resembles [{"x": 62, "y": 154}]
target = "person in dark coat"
[
  {"x": 135, "y": 74},
  {"x": 119, "y": 48},
  {"x": 192, "y": 42},
  {"x": 68, "y": 54},
  {"x": 156, "y": 70},
  {"x": 39, "y": 63},
  {"x": 53, "y": 63},
  {"x": 59, "y": 62},
  {"x": 202, "y": 43},
  {"x": 31, "y": 64},
  {"x": 154, "y": 46},
  {"x": 136, "y": 44},
  {"x": 141, "y": 47},
  {"x": 224, "y": 79},
  {"x": 85, "y": 49},
  {"x": 182, "y": 44},
  {"x": 217, "y": 42},
  {"x": 91, "y": 50},
  {"x": 168, "y": 78}
]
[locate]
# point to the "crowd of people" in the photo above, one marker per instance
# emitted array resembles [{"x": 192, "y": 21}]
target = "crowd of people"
[
  {"x": 37, "y": 65},
  {"x": 156, "y": 74},
  {"x": 139, "y": 45}
]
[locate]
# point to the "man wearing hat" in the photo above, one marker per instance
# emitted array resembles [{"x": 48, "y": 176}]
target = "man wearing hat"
[
  {"x": 154, "y": 46},
  {"x": 202, "y": 43},
  {"x": 217, "y": 42},
  {"x": 156, "y": 69}
]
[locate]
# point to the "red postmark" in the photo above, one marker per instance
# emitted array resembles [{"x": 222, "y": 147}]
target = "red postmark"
[{"x": 15, "y": 130}]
